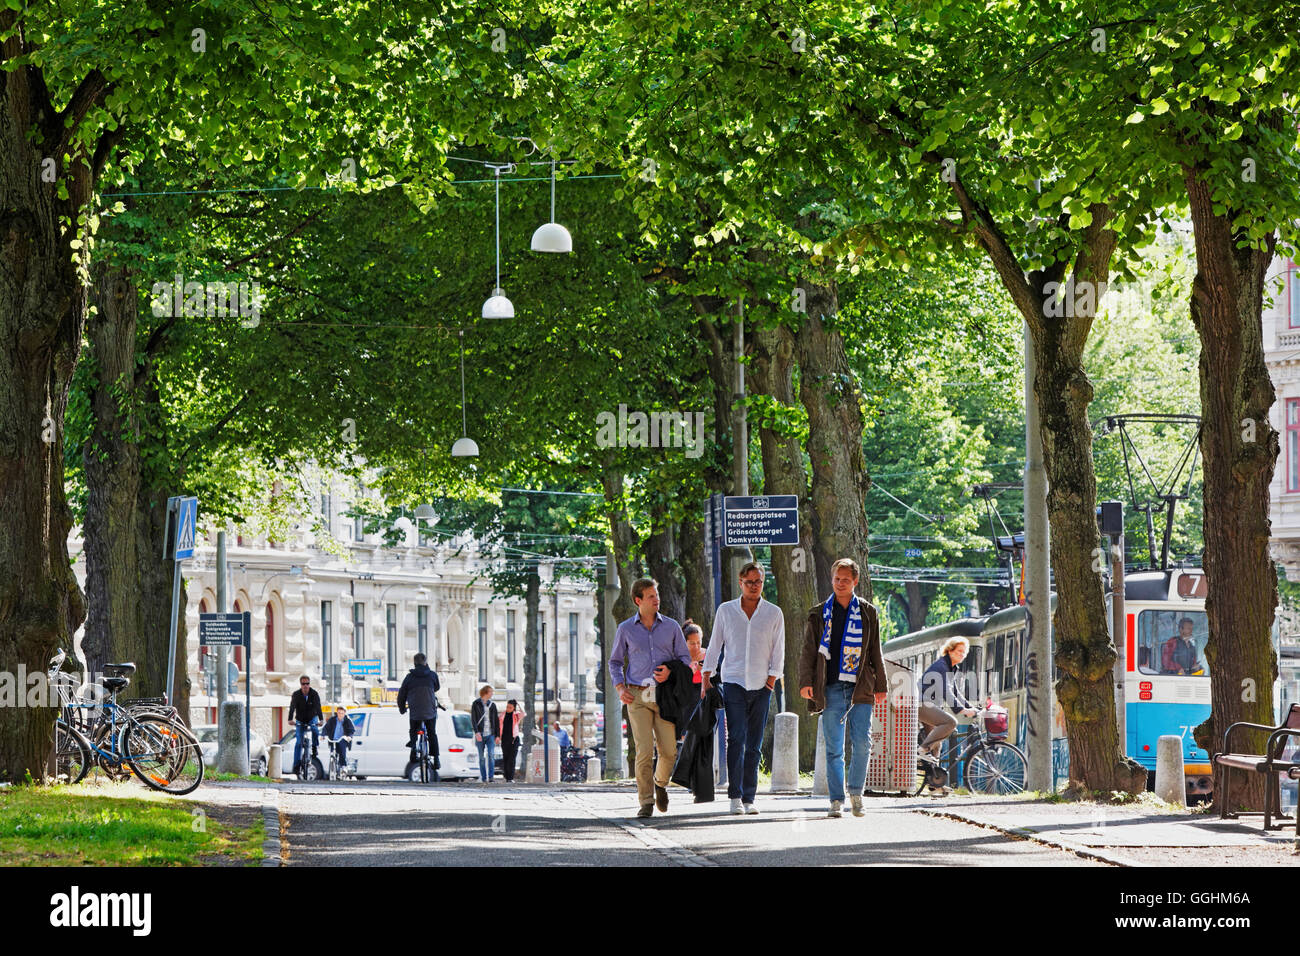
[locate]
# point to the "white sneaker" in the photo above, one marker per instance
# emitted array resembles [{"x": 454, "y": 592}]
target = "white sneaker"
[
  {"x": 856, "y": 802},
  {"x": 751, "y": 809},
  {"x": 835, "y": 808},
  {"x": 736, "y": 807}
]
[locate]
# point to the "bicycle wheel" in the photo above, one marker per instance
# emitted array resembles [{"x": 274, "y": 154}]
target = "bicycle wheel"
[
  {"x": 71, "y": 754},
  {"x": 995, "y": 768},
  {"x": 165, "y": 755},
  {"x": 107, "y": 752}
]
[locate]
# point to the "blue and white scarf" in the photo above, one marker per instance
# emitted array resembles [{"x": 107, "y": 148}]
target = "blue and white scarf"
[{"x": 850, "y": 645}]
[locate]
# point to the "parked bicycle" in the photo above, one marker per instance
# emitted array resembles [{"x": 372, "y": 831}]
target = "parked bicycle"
[
  {"x": 147, "y": 740},
  {"x": 989, "y": 764}
]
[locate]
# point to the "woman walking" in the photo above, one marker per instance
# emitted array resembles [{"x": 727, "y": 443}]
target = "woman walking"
[{"x": 509, "y": 737}]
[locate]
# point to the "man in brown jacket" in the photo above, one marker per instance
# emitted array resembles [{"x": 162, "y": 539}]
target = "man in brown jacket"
[{"x": 842, "y": 674}]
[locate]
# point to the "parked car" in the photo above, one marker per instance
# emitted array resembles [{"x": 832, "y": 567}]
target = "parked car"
[
  {"x": 379, "y": 746},
  {"x": 257, "y": 751}
]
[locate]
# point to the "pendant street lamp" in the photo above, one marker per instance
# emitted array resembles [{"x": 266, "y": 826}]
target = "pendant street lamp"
[
  {"x": 498, "y": 306},
  {"x": 465, "y": 446},
  {"x": 551, "y": 236}
]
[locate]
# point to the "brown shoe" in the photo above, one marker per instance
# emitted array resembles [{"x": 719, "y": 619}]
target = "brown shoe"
[
  {"x": 661, "y": 798},
  {"x": 645, "y": 811}
]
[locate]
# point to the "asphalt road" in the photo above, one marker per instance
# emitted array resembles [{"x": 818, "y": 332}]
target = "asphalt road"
[{"x": 402, "y": 824}]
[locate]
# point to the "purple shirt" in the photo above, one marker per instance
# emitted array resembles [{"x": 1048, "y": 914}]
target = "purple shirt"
[{"x": 638, "y": 650}]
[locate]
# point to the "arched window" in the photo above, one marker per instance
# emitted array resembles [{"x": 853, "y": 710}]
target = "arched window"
[
  {"x": 238, "y": 656},
  {"x": 270, "y": 637}
]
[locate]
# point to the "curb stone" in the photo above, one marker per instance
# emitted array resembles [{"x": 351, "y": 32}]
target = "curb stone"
[
  {"x": 1023, "y": 833},
  {"x": 271, "y": 826}
]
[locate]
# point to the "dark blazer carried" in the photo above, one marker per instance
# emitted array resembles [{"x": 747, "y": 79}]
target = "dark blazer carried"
[
  {"x": 694, "y": 767},
  {"x": 871, "y": 670},
  {"x": 678, "y": 695},
  {"x": 476, "y": 717}
]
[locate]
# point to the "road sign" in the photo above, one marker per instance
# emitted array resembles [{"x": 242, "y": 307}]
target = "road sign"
[
  {"x": 912, "y": 553},
  {"x": 749, "y": 520},
  {"x": 187, "y": 514},
  {"x": 229, "y": 629},
  {"x": 362, "y": 666}
]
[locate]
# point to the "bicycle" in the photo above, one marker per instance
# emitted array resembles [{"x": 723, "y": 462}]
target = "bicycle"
[
  {"x": 336, "y": 769},
  {"x": 309, "y": 765},
  {"x": 141, "y": 737},
  {"x": 421, "y": 769},
  {"x": 989, "y": 764}
]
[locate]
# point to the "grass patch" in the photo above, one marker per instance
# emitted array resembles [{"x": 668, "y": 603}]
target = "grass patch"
[
  {"x": 117, "y": 825},
  {"x": 225, "y": 777}
]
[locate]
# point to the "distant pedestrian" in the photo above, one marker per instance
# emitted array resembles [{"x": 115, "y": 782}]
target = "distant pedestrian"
[
  {"x": 642, "y": 647},
  {"x": 842, "y": 675},
  {"x": 509, "y": 736},
  {"x": 419, "y": 693},
  {"x": 562, "y": 735},
  {"x": 751, "y": 632},
  {"x": 483, "y": 715},
  {"x": 695, "y": 644}
]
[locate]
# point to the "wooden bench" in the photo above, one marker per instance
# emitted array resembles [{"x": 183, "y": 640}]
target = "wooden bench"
[{"x": 1269, "y": 763}]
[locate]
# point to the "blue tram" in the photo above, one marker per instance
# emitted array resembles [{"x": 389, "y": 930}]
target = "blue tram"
[{"x": 1166, "y": 675}]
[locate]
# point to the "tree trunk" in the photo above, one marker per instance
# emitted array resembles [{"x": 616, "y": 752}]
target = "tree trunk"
[
  {"x": 532, "y": 602},
  {"x": 624, "y": 540},
  {"x": 839, "y": 472},
  {"x": 918, "y": 604},
  {"x": 785, "y": 473},
  {"x": 662, "y": 564},
  {"x": 1239, "y": 448},
  {"x": 42, "y": 310},
  {"x": 695, "y": 569}
]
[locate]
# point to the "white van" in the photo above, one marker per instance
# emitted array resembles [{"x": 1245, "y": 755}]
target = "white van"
[{"x": 379, "y": 746}]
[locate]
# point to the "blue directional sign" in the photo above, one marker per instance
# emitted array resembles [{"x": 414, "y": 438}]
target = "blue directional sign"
[
  {"x": 911, "y": 552},
  {"x": 362, "y": 666},
  {"x": 230, "y": 629},
  {"x": 187, "y": 514},
  {"x": 759, "y": 520}
]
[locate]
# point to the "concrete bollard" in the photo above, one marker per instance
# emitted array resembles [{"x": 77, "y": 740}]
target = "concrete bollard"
[
  {"x": 593, "y": 769},
  {"x": 1171, "y": 784},
  {"x": 274, "y": 754},
  {"x": 232, "y": 747},
  {"x": 785, "y": 753},
  {"x": 820, "y": 787}
]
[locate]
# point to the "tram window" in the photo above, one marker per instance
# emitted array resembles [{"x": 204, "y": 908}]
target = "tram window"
[
  {"x": 1172, "y": 642},
  {"x": 1011, "y": 664},
  {"x": 993, "y": 667},
  {"x": 971, "y": 669}
]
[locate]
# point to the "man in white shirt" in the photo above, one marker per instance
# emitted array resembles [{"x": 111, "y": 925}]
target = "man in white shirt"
[{"x": 749, "y": 636}]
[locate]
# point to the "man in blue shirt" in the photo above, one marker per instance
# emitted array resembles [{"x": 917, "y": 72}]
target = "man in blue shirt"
[
  {"x": 637, "y": 662},
  {"x": 563, "y": 736}
]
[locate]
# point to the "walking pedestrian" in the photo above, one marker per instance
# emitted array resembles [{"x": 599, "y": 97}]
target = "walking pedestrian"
[
  {"x": 751, "y": 632},
  {"x": 643, "y": 645},
  {"x": 842, "y": 675},
  {"x": 483, "y": 715},
  {"x": 509, "y": 731},
  {"x": 695, "y": 644}
]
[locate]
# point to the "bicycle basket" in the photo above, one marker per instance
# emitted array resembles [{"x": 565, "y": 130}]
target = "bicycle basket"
[{"x": 995, "y": 720}]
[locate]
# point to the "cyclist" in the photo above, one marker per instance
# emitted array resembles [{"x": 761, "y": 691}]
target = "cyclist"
[
  {"x": 419, "y": 691},
  {"x": 939, "y": 690},
  {"x": 340, "y": 729},
  {"x": 304, "y": 710}
]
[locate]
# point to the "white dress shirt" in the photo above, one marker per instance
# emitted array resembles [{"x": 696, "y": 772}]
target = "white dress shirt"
[{"x": 755, "y": 645}]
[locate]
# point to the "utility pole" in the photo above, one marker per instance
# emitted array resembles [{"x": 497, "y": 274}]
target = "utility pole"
[
  {"x": 1038, "y": 586},
  {"x": 740, "y": 448}
]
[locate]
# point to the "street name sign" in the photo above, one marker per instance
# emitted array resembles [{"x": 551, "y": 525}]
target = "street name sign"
[{"x": 760, "y": 520}]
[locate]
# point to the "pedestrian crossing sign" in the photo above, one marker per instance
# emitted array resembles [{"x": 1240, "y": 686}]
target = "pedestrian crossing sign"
[{"x": 187, "y": 513}]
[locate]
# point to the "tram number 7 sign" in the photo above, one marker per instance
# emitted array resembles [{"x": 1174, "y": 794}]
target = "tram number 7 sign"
[{"x": 754, "y": 520}]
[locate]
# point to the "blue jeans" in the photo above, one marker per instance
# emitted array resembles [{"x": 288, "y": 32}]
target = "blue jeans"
[
  {"x": 486, "y": 768},
  {"x": 842, "y": 713},
  {"x": 746, "y": 718},
  {"x": 298, "y": 739}
]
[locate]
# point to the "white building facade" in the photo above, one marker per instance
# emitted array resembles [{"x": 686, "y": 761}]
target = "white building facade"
[
  {"x": 314, "y": 611},
  {"x": 1282, "y": 354}
]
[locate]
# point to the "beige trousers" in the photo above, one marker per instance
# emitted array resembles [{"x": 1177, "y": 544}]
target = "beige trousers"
[{"x": 650, "y": 730}]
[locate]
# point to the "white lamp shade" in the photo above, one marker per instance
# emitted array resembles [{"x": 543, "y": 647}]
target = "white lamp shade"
[
  {"x": 403, "y": 524},
  {"x": 552, "y": 237},
  {"x": 424, "y": 511},
  {"x": 498, "y": 306},
  {"x": 465, "y": 447}
]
